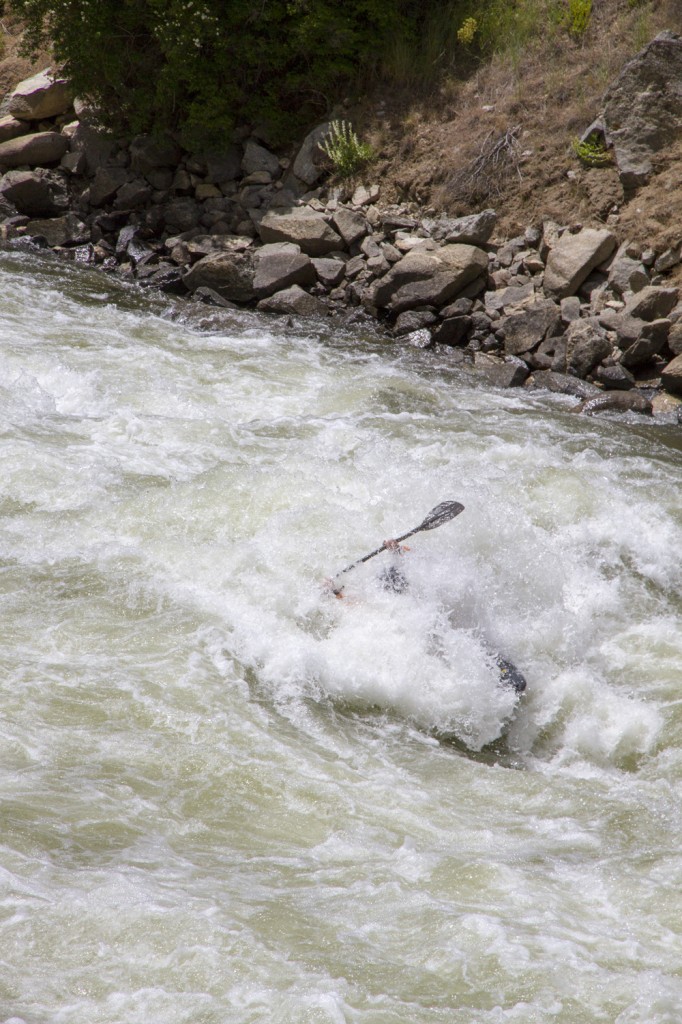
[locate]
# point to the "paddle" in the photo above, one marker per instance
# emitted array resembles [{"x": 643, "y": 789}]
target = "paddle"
[{"x": 442, "y": 513}]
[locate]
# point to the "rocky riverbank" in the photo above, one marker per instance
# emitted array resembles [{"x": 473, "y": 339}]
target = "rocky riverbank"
[{"x": 568, "y": 307}]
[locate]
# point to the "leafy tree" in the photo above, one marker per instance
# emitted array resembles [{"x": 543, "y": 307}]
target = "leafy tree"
[{"x": 200, "y": 65}]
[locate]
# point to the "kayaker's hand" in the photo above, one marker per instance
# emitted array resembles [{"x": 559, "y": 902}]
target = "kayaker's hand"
[
  {"x": 329, "y": 587},
  {"x": 393, "y": 545}
]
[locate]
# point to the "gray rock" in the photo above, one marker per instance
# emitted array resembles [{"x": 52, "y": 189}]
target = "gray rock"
[
  {"x": 671, "y": 376},
  {"x": 650, "y": 341},
  {"x": 570, "y": 309},
  {"x": 40, "y": 97},
  {"x": 96, "y": 147},
  {"x": 37, "y": 193},
  {"x": 501, "y": 373},
  {"x": 563, "y": 384},
  {"x": 37, "y": 150},
  {"x": 652, "y": 303},
  {"x": 224, "y": 166},
  {"x": 310, "y": 161},
  {"x": 614, "y": 378},
  {"x": 352, "y": 226},
  {"x": 643, "y": 108},
  {"x": 585, "y": 345},
  {"x": 301, "y": 225},
  {"x": 669, "y": 259},
  {"x": 572, "y": 259},
  {"x": 627, "y": 275},
  {"x": 276, "y": 271},
  {"x": 474, "y": 229},
  {"x": 11, "y": 128},
  {"x": 181, "y": 214},
  {"x": 452, "y": 331},
  {"x": 413, "y": 320},
  {"x": 616, "y": 401},
  {"x": 524, "y": 331},
  {"x": 257, "y": 158},
  {"x": 295, "y": 301},
  {"x": 147, "y": 153},
  {"x": 419, "y": 339},
  {"x": 330, "y": 273},
  {"x": 230, "y": 274},
  {"x": 675, "y": 338},
  {"x": 428, "y": 278},
  {"x": 133, "y": 195},
  {"x": 67, "y": 230},
  {"x": 504, "y": 299},
  {"x": 106, "y": 183}
]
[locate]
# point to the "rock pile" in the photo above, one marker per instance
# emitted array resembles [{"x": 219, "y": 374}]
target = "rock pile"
[{"x": 567, "y": 308}]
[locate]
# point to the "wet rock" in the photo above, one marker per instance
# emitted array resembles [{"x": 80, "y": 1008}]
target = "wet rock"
[
  {"x": 36, "y": 150},
  {"x": 67, "y": 230},
  {"x": 428, "y": 278},
  {"x": 563, "y": 384},
  {"x": 572, "y": 259},
  {"x": 413, "y": 320},
  {"x": 452, "y": 330},
  {"x": 652, "y": 303},
  {"x": 295, "y": 301},
  {"x": 230, "y": 274},
  {"x": 617, "y": 401},
  {"x": 671, "y": 376},
  {"x": 419, "y": 339},
  {"x": 303, "y": 226},
  {"x": 501, "y": 373},
  {"x": 276, "y": 269},
  {"x": 40, "y": 97},
  {"x": 614, "y": 378}
]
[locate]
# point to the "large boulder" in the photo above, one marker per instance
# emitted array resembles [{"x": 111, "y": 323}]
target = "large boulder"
[
  {"x": 37, "y": 193},
  {"x": 37, "y": 150},
  {"x": 643, "y": 108},
  {"x": 574, "y": 257},
  {"x": 428, "y": 277},
  {"x": 40, "y": 97},
  {"x": 230, "y": 274},
  {"x": 303, "y": 226},
  {"x": 279, "y": 266}
]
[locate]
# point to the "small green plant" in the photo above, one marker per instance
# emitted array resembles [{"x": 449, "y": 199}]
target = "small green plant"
[
  {"x": 467, "y": 31},
  {"x": 592, "y": 151},
  {"x": 344, "y": 149},
  {"x": 578, "y": 16}
]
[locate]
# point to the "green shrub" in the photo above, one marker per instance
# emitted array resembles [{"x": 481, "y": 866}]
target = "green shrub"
[
  {"x": 344, "y": 149},
  {"x": 578, "y": 16},
  {"x": 592, "y": 151}
]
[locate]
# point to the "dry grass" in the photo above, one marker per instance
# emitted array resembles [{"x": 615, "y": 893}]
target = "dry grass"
[{"x": 544, "y": 96}]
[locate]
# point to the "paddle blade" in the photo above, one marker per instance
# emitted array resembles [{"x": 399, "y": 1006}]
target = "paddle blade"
[{"x": 441, "y": 514}]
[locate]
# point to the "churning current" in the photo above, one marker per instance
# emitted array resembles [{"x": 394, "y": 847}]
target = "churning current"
[{"x": 228, "y": 797}]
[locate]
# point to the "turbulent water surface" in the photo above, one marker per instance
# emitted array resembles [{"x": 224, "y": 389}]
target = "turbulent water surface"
[{"x": 228, "y": 797}]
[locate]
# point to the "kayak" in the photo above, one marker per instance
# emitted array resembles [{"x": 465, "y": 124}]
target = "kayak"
[{"x": 509, "y": 674}]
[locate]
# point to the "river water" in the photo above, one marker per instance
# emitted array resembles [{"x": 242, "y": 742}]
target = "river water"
[{"x": 229, "y": 798}]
